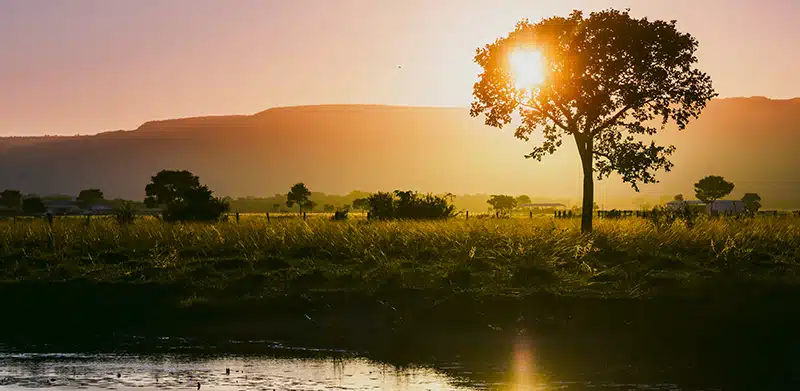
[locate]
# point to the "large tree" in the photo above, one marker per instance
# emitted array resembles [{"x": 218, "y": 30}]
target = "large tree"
[
  {"x": 33, "y": 205},
  {"x": 11, "y": 199},
  {"x": 712, "y": 188},
  {"x": 607, "y": 81}
]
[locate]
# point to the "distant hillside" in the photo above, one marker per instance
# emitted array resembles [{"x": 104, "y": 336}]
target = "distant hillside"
[{"x": 339, "y": 148}]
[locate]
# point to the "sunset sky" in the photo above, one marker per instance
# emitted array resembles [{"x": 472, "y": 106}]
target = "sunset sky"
[{"x": 85, "y": 66}]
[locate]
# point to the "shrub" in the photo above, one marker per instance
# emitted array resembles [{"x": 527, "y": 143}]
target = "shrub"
[
  {"x": 197, "y": 204},
  {"x": 409, "y": 205},
  {"x": 125, "y": 213},
  {"x": 339, "y": 215}
]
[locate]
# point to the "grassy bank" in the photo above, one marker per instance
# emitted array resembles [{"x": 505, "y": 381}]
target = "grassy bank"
[{"x": 289, "y": 278}]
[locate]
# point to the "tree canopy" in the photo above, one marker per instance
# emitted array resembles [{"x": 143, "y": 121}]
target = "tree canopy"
[
  {"x": 88, "y": 197},
  {"x": 11, "y": 199},
  {"x": 502, "y": 202},
  {"x": 299, "y": 194},
  {"x": 523, "y": 199},
  {"x": 33, "y": 205},
  {"x": 168, "y": 186},
  {"x": 608, "y": 81},
  {"x": 712, "y": 188},
  {"x": 752, "y": 202},
  {"x": 185, "y": 198}
]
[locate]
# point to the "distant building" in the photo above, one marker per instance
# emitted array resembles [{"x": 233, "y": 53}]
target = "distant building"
[
  {"x": 60, "y": 207},
  {"x": 718, "y": 206},
  {"x": 543, "y": 206}
]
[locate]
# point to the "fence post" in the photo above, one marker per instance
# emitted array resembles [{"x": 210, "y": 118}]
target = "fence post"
[
  {"x": 304, "y": 216},
  {"x": 268, "y": 217},
  {"x": 531, "y": 214},
  {"x": 49, "y": 218},
  {"x": 237, "y": 217},
  {"x": 467, "y": 215},
  {"x": 88, "y": 219}
]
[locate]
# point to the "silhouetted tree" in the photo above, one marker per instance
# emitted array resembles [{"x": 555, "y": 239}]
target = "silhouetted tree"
[
  {"x": 712, "y": 188},
  {"x": 276, "y": 207},
  {"x": 328, "y": 208},
  {"x": 605, "y": 78},
  {"x": 11, "y": 199},
  {"x": 502, "y": 202},
  {"x": 298, "y": 194},
  {"x": 678, "y": 197},
  {"x": 752, "y": 202},
  {"x": 33, "y": 205},
  {"x": 184, "y": 197},
  {"x": 523, "y": 199},
  {"x": 89, "y": 197},
  {"x": 167, "y": 186},
  {"x": 196, "y": 204}
]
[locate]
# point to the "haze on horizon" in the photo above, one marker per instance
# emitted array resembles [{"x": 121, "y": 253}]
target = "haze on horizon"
[{"x": 86, "y": 66}]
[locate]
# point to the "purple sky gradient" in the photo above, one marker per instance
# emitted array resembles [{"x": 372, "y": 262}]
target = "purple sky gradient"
[{"x": 85, "y": 66}]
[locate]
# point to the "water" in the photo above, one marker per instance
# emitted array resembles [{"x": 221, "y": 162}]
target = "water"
[{"x": 297, "y": 369}]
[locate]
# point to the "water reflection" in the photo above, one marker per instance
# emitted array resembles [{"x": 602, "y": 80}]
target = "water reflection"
[{"x": 170, "y": 371}]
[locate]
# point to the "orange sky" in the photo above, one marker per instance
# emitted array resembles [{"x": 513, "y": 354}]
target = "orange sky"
[{"x": 85, "y": 66}]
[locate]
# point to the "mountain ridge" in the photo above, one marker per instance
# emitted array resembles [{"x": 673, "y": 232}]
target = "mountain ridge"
[{"x": 337, "y": 148}]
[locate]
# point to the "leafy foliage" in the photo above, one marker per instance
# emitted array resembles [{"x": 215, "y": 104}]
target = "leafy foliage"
[
  {"x": 167, "y": 187},
  {"x": 523, "y": 199},
  {"x": 90, "y": 197},
  {"x": 608, "y": 77},
  {"x": 185, "y": 198},
  {"x": 11, "y": 199},
  {"x": 502, "y": 202},
  {"x": 409, "y": 205},
  {"x": 196, "y": 204},
  {"x": 712, "y": 188},
  {"x": 299, "y": 194},
  {"x": 125, "y": 213},
  {"x": 33, "y": 205},
  {"x": 752, "y": 202}
]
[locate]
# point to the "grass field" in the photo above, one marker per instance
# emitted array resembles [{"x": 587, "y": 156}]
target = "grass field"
[{"x": 622, "y": 258}]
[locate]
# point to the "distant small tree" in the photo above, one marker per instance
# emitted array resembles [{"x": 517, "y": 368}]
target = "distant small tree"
[
  {"x": 89, "y": 197},
  {"x": 11, "y": 199},
  {"x": 523, "y": 199},
  {"x": 33, "y": 205},
  {"x": 502, "y": 202},
  {"x": 752, "y": 202},
  {"x": 712, "y": 188},
  {"x": 298, "y": 194},
  {"x": 328, "y": 208},
  {"x": 276, "y": 207},
  {"x": 678, "y": 197}
]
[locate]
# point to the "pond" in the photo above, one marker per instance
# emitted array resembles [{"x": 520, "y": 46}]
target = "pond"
[{"x": 270, "y": 366}]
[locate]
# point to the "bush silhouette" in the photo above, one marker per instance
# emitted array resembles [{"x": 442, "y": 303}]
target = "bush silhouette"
[
  {"x": 409, "y": 205},
  {"x": 184, "y": 197}
]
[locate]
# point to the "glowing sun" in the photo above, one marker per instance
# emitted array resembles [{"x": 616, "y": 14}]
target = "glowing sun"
[{"x": 527, "y": 68}]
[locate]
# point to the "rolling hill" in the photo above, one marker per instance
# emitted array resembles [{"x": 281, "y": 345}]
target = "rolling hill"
[{"x": 339, "y": 148}]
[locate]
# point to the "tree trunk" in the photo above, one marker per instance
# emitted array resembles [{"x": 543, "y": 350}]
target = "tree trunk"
[{"x": 588, "y": 189}]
